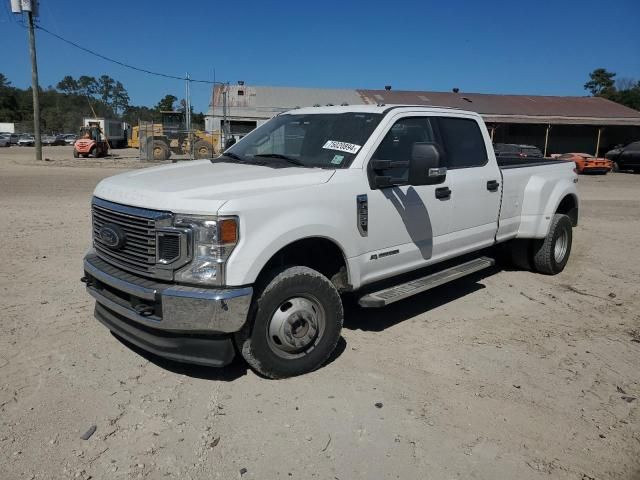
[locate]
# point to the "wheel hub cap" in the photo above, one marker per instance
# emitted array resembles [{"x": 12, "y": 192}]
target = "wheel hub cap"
[
  {"x": 560, "y": 248},
  {"x": 294, "y": 325}
]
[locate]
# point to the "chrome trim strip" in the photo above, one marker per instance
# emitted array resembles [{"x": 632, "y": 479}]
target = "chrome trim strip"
[
  {"x": 118, "y": 284},
  {"x": 187, "y": 292}
]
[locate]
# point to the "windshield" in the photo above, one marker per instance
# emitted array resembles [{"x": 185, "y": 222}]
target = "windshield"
[{"x": 317, "y": 140}]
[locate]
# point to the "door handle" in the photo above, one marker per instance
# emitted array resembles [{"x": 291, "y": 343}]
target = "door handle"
[
  {"x": 443, "y": 193},
  {"x": 493, "y": 185}
]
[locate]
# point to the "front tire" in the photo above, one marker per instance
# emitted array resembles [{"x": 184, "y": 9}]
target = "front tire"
[
  {"x": 159, "y": 150},
  {"x": 203, "y": 149},
  {"x": 294, "y": 324},
  {"x": 552, "y": 253}
]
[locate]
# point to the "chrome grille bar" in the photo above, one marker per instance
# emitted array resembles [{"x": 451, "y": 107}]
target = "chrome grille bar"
[{"x": 140, "y": 226}]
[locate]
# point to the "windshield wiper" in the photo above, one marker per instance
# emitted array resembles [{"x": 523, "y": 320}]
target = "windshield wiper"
[
  {"x": 229, "y": 155},
  {"x": 235, "y": 156},
  {"x": 292, "y": 161}
]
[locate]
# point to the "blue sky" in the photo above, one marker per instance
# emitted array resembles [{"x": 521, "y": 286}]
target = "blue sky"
[{"x": 542, "y": 47}]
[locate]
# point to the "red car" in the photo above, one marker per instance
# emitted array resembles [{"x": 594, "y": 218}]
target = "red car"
[{"x": 586, "y": 163}]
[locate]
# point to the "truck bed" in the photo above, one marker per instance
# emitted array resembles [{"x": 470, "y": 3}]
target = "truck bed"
[{"x": 519, "y": 162}]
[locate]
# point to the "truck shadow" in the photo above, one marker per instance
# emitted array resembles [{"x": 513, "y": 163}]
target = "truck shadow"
[
  {"x": 379, "y": 319},
  {"x": 236, "y": 369}
]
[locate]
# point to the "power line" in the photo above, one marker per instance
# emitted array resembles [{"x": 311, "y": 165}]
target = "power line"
[{"x": 122, "y": 64}]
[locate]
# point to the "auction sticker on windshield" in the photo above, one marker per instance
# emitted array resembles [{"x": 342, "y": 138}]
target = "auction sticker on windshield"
[{"x": 342, "y": 146}]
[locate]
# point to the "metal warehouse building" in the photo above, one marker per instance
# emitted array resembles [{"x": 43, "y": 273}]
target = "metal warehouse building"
[{"x": 554, "y": 124}]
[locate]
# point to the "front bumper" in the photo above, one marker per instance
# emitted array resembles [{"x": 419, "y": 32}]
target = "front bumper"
[{"x": 187, "y": 324}]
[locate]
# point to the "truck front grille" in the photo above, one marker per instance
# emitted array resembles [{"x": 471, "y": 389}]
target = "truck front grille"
[{"x": 137, "y": 251}]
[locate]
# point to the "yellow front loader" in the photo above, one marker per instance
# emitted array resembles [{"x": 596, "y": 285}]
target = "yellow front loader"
[{"x": 169, "y": 137}]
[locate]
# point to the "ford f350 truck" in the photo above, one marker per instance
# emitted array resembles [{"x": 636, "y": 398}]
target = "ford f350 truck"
[{"x": 251, "y": 252}]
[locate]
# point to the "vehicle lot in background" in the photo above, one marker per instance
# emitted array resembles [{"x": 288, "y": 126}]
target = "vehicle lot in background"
[
  {"x": 26, "y": 140},
  {"x": 626, "y": 157},
  {"x": 508, "y": 375},
  {"x": 53, "y": 140},
  {"x": 70, "y": 138},
  {"x": 13, "y": 137},
  {"x": 586, "y": 163},
  {"x": 515, "y": 150}
]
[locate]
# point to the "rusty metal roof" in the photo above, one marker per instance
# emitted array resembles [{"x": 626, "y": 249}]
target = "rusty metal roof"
[
  {"x": 517, "y": 108},
  {"x": 264, "y": 102}
]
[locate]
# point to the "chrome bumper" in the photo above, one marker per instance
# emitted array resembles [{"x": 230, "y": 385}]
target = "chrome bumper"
[{"x": 166, "y": 307}]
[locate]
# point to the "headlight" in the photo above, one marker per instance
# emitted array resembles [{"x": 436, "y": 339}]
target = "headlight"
[{"x": 214, "y": 239}]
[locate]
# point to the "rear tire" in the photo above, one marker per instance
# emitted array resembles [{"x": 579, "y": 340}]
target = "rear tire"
[
  {"x": 75, "y": 153},
  {"x": 294, "y": 324},
  {"x": 551, "y": 254}
]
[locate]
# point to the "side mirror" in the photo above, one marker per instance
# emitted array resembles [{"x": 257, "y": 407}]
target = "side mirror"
[{"x": 425, "y": 165}]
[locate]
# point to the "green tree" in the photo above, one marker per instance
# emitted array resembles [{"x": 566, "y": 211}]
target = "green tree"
[
  {"x": 601, "y": 83},
  {"x": 120, "y": 98},
  {"x": 166, "y": 104},
  {"x": 8, "y": 101},
  {"x": 105, "y": 85},
  {"x": 133, "y": 114},
  {"x": 4, "y": 81},
  {"x": 87, "y": 86},
  {"x": 68, "y": 85}
]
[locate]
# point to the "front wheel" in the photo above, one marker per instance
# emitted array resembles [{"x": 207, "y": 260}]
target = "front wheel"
[
  {"x": 552, "y": 253},
  {"x": 159, "y": 150},
  {"x": 294, "y": 325},
  {"x": 203, "y": 149}
]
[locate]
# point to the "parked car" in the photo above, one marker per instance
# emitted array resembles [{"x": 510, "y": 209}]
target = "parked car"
[
  {"x": 251, "y": 251},
  {"x": 626, "y": 157},
  {"x": 13, "y": 137},
  {"x": 5, "y": 141},
  {"x": 26, "y": 141},
  {"x": 515, "y": 150},
  {"x": 53, "y": 140},
  {"x": 586, "y": 163},
  {"x": 70, "y": 138}
]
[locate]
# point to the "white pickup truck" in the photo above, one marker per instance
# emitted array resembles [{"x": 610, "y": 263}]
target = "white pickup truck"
[{"x": 250, "y": 252}]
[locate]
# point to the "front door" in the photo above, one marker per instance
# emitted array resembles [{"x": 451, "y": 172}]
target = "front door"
[{"x": 407, "y": 224}]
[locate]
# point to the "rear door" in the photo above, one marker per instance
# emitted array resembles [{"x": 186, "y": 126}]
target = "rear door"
[{"x": 474, "y": 180}]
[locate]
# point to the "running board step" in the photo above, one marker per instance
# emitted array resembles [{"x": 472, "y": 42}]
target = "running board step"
[{"x": 404, "y": 290}]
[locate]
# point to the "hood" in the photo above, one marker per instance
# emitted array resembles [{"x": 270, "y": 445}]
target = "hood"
[{"x": 202, "y": 187}]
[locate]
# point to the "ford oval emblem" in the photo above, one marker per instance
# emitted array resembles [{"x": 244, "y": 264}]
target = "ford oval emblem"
[{"x": 112, "y": 236}]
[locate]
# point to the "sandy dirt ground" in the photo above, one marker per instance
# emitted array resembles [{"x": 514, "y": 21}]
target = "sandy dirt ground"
[{"x": 507, "y": 374}]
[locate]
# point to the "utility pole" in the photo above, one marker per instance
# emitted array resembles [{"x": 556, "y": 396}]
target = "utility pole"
[
  {"x": 187, "y": 114},
  {"x": 31, "y": 9}
]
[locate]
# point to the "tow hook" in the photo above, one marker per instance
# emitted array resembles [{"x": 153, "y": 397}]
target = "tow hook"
[
  {"x": 88, "y": 281},
  {"x": 144, "y": 310}
]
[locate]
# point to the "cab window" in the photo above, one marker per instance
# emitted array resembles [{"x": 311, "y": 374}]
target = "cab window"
[
  {"x": 463, "y": 143},
  {"x": 398, "y": 144}
]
